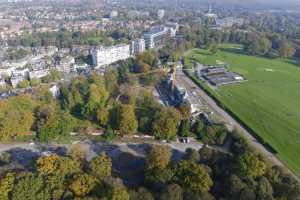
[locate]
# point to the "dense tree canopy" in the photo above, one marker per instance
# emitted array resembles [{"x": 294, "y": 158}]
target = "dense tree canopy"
[{"x": 165, "y": 123}]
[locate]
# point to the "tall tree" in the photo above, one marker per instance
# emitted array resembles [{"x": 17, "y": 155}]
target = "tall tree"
[
  {"x": 82, "y": 184},
  {"x": 101, "y": 166},
  {"x": 97, "y": 97},
  {"x": 193, "y": 176},
  {"x": 286, "y": 49},
  {"x": 165, "y": 123},
  {"x": 250, "y": 166},
  {"x": 127, "y": 120}
]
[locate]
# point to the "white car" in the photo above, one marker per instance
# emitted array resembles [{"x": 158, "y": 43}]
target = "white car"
[{"x": 46, "y": 153}]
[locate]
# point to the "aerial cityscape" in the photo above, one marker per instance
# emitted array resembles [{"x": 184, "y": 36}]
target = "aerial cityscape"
[{"x": 149, "y": 100}]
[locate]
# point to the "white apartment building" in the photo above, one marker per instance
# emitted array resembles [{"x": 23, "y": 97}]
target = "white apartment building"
[
  {"x": 229, "y": 22},
  {"x": 38, "y": 73},
  {"x": 137, "y": 46},
  {"x": 155, "y": 37},
  {"x": 103, "y": 56},
  {"x": 16, "y": 78},
  {"x": 113, "y": 14},
  {"x": 65, "y": 64},
  {"x": 2, "y": 82},
  {"x": 160, "y": 13}
]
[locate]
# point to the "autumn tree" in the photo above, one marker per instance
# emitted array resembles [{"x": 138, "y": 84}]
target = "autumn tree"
[
  {"x": 102, "y": 116},
  {"x": 185, "y": 110},
  {"x": 165, "y": 123},
  {"x": 47, "y": 165},
  {"x": 286, "y": 49},
  {"x": 148, "y": 57},
  {"x": 141, "y": 67},
  {"x": 82, "y": 184},
  {"x": 53, "y": 165},
  {"x": 77, "y": 153},
  {"x": 101, "y": 166},
  {"x": 127, "y": 122},
  {"x": 157, "y": 169},
  {"x": 111, "y": 81},
  {"x": 6, "y": 185}
]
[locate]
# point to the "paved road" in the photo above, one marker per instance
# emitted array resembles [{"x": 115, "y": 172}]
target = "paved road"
[
  {"x": 25, "y": 151},
  {"x": 190, "y": 85}
]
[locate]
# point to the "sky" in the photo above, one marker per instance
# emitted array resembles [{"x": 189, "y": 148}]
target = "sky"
[{"x": 284, "y": 3}]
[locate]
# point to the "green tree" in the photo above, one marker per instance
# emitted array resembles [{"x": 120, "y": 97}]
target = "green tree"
[
  {"x": 30, "y": 187},
  {"x": 157, "y": 170},
  {"x": 15, "y": 111},
  {"x": 148, "y": 57},
  {"x": 192, "y": 155},
  {"x": 77, "y": 153},
  {"x": 158, "y": 157},
  {"x": 59, "y": 124},
  {"x": 193, "y": 176},
  {"x": 235, "y": 185},
  {"x": 213, "y": 48},
  {"x": 165, "y": 123},
  {"x": 111, "y": 81},
  {"x": 247, "y": 194},
  {"x": 172, "y": 191},
  {"x": 184, "y": 129},
  {"x": 54, "y": 75},
  {"x": 141, "y": 67},
  {"x": 23, "y": 84},
  {"x": 34, "y": 82},
  {"x": 102, "y": 116},
  {"x": 185, "y": 111},
  {"x": 127, "y": 120},
  {"x": 250, "y": 165},
  {"x": 264, "y": 188},
  {"x": 141, "y": 194},
  {"x": 97, "y": 97},
  {"x": 101, "y": 166},
  {"x": 118, "y": 193}
]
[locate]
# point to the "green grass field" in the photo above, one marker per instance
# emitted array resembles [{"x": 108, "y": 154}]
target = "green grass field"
[{"x": 269, "y": 102}]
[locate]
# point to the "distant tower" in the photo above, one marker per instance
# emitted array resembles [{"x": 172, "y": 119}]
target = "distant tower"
[
  {"x": 209, "y": 9},
  {"x": 210, "y": 14}
]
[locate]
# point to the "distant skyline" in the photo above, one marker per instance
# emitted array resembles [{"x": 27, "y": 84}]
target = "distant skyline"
[{"x": 259, "y": 1}]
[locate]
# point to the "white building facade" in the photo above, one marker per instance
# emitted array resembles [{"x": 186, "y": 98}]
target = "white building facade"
[
  {"x": 103, "y": 56},
  {"x": 155, "y": 37},
  {"x": 160, "y": 13},
  {"x": 137, "y": 46}
]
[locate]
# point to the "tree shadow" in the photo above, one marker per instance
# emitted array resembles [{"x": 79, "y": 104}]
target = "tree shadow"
[
  {"x": 126, "y": 165},
  {"x": 295, "y": 62},
  {"x": 23, "y": 157}
]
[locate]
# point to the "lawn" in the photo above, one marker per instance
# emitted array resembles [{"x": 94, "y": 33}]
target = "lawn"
[{"x": 268, "y": 102}]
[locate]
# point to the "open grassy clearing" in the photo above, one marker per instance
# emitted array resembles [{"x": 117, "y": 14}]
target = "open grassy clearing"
[{"x": 269, "y": 102}]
